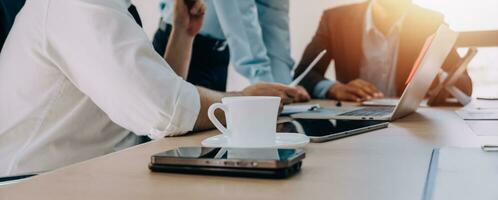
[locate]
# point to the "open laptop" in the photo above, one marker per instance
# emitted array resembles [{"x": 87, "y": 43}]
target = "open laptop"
[{"x": 425, "y": 70}]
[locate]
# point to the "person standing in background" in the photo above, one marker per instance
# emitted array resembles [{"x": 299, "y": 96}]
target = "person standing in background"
[{"x": 253, "y": 34}]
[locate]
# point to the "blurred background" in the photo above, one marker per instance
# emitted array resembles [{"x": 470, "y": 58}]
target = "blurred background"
[{"x": 461, "y": 15}]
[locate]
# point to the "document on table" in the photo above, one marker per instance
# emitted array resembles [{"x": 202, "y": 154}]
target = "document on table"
[
  {"x": 292, "y": 109},
  {"x": 479, "y": 110},
  {"x": 462, "y": 173},
  {"x": 478, "y": 114}
]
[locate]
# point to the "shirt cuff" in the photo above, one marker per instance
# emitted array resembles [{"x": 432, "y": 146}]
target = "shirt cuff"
[
  {"x": 321, "y": 89},
  {"x": 184, "y": 116},
  {"x": 281, "y": 71}
]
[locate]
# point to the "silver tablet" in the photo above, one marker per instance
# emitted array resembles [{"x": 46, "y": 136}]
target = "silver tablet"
[{"x": 322, "y": 130}]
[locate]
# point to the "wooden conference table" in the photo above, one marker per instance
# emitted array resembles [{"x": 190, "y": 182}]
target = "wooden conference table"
[{"x": 386, "y": 164}]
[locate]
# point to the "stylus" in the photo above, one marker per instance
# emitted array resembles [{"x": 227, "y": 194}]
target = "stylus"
[
  {"x": 490, "y": 148},
  {"x": 313, "y": 64}
]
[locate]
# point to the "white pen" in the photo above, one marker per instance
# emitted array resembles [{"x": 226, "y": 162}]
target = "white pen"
[
  {"x": 490, "y": 148},
  {"x": 301, "y": 77}
]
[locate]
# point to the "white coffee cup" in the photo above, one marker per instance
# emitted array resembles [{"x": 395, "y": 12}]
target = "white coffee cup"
[{"x": 251, "y": 121}]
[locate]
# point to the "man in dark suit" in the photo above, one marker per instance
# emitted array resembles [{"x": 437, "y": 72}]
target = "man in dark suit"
[
  {"x": 374, "y": 45},
  {"x": 8, "y": 11}
]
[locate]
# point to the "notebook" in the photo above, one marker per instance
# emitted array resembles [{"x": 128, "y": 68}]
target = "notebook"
[{"x": 462, "y": 173}]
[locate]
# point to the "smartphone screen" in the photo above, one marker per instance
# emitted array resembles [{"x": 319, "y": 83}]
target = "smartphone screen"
[
  {"x": 263, "y": 163},
  {"x": 231, "y": 153}
]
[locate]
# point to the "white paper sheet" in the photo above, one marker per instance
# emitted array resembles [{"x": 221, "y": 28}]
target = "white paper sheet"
[
  {"x": 479, "y": 110},
  {"x": 465, "y": 174},
  {"x": 291, "y": 109}
]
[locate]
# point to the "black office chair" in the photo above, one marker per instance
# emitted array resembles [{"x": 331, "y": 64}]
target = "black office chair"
[
  {"x": 15, "y": 178},
  {"x": 8, "y": 12}
]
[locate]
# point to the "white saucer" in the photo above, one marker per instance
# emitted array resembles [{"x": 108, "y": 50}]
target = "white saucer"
[{"x": 283, "y": 140}]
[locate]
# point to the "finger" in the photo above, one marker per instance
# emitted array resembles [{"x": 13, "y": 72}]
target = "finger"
[
  {"x": 348, "y": 97},
  {"x": 299, "y": 98},
  {"x": 286, "y": 99},
  {"x": 358, "y": 92},
  {"x": 374, "y": 91},
  {"x": 181, "y": 5},
  {"x": 277, "y": 86},
  {"x": 196, "y": 9},
  {"x": 304, "y": 96},
  {"x": 292, "y": 92},
  {"x": 203, "y": 10},
  {"x": 297, "y": 95},
  {"x": 371, "y": 93},
  {"x": 365, "y": 87},
  {"x": 289, "y": 92},
  {"x": 343, "y": 93},
  {"x": 280, "y": 108},
  {"x": 308, "y": 97}
]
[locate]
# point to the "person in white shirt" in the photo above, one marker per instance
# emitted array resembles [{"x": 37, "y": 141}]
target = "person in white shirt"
[{"x": 77, "y": 76}]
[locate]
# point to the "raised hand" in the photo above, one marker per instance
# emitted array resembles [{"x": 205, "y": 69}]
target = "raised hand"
[{"x": 189, "y": 16}]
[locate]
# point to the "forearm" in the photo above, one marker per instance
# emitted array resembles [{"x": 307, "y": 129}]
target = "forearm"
[
  {"x": 178, "y": 52},
  {"x": 208, "y": 97},
  {"x": 465, "y": 84}
]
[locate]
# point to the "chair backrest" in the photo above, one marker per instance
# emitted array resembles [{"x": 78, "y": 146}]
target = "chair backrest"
[
  {"x": 8, "y": 12},
  {"x": 15, "y": 178}
]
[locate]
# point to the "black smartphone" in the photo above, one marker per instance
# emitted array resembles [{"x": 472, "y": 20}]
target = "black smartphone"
[{"x": 242, "y": 162}]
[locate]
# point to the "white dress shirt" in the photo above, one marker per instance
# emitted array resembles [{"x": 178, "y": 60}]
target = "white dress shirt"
[
  {"x": 380, "y": 54},
  {"x": 76, "y": 76}
]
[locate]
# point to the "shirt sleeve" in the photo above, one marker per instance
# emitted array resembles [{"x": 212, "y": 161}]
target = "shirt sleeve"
[
  {"x": 274, "y": 21},
  {"x": 104, "y": 53},
  {"x": 321, "y": 89},
  {"x": 239, "y": 21}
]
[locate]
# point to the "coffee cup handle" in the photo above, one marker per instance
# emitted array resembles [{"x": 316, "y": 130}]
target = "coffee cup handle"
[{"x": 215, "y": 120}]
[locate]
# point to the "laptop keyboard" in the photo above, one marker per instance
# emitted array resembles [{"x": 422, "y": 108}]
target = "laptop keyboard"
[{"x": 370, "y": 111}]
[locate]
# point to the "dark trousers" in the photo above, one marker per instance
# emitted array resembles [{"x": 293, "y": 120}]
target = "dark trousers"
[
  {"x": 209, "y": 63},
  {"x": 8, "y": 11}
]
